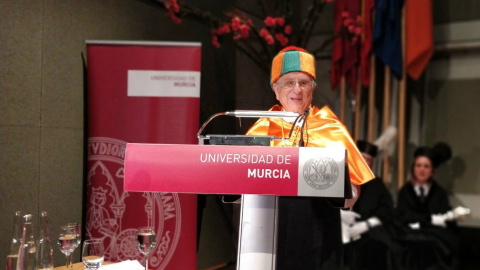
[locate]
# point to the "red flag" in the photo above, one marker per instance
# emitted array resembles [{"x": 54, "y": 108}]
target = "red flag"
[
  {"x": 337, "y": 52},
  {"x": 366, "y": 48},
  {"x": 345, "y": 51},
  {"x": 418, "y": 36}
]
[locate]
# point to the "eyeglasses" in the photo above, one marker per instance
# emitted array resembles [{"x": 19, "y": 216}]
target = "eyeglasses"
[{"x": 303, "y": 84}]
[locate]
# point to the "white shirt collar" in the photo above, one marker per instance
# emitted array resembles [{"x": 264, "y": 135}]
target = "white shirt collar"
[{"x": 426, "y": 188}]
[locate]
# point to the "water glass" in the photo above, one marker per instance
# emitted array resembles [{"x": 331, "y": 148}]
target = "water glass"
[
  {"x": 77, "y": 229},
  {"x": 92, "y": 254}
]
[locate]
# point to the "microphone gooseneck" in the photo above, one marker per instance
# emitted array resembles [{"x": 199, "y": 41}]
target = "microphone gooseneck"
[
  {"x": 298, "y": 118},
  {"x": 301, "y": 143}
]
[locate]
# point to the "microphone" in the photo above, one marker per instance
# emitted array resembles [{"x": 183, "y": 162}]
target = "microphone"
[
  {"x": 266, "y": 114},
  {"x": 305, "y": 114},
  {"x": 249, "y": 113}
]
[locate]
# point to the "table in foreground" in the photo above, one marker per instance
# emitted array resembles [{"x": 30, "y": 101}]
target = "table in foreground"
[
  {"x": 79, "y": 265},
  {"x": 76, "y": 266}
]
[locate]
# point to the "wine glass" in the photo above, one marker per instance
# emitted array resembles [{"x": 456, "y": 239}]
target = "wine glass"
[
  {"x": 77, "y": 229},
  {"x": 146, "y": 240},
  {"x": 67, "y": 242},
  {"x": 92, "y": 254}
]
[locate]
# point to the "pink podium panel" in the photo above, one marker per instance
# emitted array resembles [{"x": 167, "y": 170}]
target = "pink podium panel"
[{"x": 227, "y": 169}]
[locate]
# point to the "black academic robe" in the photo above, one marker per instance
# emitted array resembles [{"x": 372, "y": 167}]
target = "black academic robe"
[
  {"x": 309, "y": 229},
  {"x": 376, "y": 249},
  {"x": 430, "y": 246},
  {"x": 309, "y": 234},
  {"x": 375, "y": 201}
]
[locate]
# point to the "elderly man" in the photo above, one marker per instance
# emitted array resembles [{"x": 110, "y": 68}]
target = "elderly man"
[{"x": 309, "y": 235}]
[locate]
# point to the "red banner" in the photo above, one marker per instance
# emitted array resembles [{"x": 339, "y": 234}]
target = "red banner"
[
  {"x": 222, "y": 169},
  {"x": 140, "y": 93}
]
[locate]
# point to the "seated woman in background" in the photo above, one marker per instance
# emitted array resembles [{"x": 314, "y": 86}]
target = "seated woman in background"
[{"x": 430, "y": 240}]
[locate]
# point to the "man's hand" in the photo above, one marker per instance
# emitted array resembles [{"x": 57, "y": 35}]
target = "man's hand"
[
  {"x": 358, "y": 229},
  {"x": 373, "y": 222},
  {"x": 414, "y": 226},
  {"x": 349, "y": 217}
]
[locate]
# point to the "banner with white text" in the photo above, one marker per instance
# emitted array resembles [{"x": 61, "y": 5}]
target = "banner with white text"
[
  {"x": 229, "y": 169},
  {"x": 140, "y": 92}
]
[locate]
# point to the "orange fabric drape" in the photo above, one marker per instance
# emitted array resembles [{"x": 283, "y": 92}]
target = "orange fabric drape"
[
  {"x": 322, "y": 129},
  {"x": 418, "y": 36}
]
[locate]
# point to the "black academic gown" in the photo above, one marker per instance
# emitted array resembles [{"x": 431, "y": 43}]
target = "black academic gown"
[
  {"x": 309, "y": 236},
  {"x": 430, "y": 247},
  {"x": 310, "y": 232},
  {"x": 376, "y": 248}
]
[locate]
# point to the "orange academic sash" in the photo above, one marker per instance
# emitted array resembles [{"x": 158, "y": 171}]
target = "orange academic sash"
[{"x": 322, "y": 129}]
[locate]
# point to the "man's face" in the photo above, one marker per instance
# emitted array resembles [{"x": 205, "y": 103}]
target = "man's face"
[{"x": 294, "y": 91}]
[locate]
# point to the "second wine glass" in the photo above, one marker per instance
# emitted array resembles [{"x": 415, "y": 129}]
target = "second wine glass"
[
  {"x": 77, "y": 229},
  {"x": 92, "y": 254},
  {"x": 67, "y": 242},
  {"x": 146, "y": 240}
]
